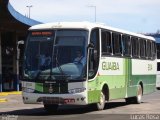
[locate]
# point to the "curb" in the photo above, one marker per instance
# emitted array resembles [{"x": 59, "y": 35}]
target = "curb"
[
  {"x": 15, "y": 93},
  {"x": 3, "y": 100},
  {"x": 10, "y": 93},
  {"x": 3, "y": 94}
]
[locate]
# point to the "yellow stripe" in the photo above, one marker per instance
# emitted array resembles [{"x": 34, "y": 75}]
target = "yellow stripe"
[
  {"x": 3, "y": 100},
  {"x": 10, "y": 93},
  {"x": 15, "y": 93},
  {"x": 3, "y": 94}
]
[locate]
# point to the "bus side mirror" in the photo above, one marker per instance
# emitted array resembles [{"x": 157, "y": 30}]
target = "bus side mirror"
[
  {"x": 91, "y": 45},
  {"x": 20, "y": 44}
]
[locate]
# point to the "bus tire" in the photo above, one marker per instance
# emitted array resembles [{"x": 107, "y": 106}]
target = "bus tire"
[
  {"x": 51, "y": 108},
  {"x": 158, "y": 88},
  {"x": 101, "y": 104},
  {"x": 138, "y": 98},
  {"x": 129, "y": 100}
]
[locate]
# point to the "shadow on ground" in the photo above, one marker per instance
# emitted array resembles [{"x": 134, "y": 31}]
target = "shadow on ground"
[{"x": 65, "y": 110}]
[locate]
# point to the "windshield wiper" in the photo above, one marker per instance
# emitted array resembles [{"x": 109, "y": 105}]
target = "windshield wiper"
[{"x": 59, "y": 67}]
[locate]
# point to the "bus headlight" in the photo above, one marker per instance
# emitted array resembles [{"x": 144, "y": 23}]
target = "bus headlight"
[
  {"x": 28, "y": 90},
  {"x": 76, "y": 90}
]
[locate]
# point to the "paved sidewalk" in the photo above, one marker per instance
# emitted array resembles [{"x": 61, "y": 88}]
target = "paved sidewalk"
[
  {"x": 15, "y": 103},
  {"x": 3, "y": 95}
]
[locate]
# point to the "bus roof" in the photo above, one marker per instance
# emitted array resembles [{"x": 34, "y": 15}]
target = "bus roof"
[{"x": 84, "y": 25}]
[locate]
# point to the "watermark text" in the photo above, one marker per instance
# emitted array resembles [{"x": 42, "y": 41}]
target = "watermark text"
[{"x": 144, "y": 117}]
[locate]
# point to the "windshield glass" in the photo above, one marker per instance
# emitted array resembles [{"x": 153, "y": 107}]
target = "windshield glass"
[{"x": 56, "y": 55}]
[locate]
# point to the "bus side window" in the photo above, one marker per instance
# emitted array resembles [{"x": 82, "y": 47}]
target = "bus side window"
[
  {"x": 106, "y": 43},
  {"x": 158, "y": 66},
  {"x": 154, "y": 50},
  {"x": 135, "y": 47},
  {"x": 145, "y": 44},
  {"x": 149, "y": 55},
  {"x": 117, "y": 46},
  {"x": 126, "y": 45},
  {"x": 142, "y": 48},
  {"x": 94, "y": 54},
  {"x": 158, "y": 50}
]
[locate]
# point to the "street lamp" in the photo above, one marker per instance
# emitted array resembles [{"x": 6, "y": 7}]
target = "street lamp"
[
  {"x": 29, "y": 7},
  {"x": 94, "y": 11}
]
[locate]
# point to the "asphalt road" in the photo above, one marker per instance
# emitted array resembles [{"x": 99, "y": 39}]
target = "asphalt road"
[{"x": 118, "y": 110}]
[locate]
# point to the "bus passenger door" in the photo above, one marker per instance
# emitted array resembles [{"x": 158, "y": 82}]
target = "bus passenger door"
[{"x": 93, "y": 63}]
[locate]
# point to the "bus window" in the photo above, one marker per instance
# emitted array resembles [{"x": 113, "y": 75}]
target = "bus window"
[
  {"x": 142, "y": 48},
  {"x": 94, "y": 54},
  {"x": 106, "y": 43},
  {"x": 117, "y": 46},
  {"x": 149, "y": 56},
  {"x": 135, "y": 47},
  {"x": 158, "y": 50},
  {"x": 158, "y": 66},
  {"x": 154, "y": 50},
  {"x": 126, "y": 45}
]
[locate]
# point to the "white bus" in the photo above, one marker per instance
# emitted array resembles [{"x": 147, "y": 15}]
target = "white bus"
[
  {"x": 158, "y": 74},
  {"x": 112, "y": 64},
  {"x": 158, "y": 63}
]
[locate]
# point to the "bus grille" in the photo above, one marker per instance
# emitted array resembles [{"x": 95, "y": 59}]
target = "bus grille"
[
  {"x": 55, "y": 88},
  {"x": 51, "y": 100}
]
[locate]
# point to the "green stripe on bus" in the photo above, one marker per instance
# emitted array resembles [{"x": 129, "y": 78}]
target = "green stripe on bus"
[{"x": 39, "y": 87}]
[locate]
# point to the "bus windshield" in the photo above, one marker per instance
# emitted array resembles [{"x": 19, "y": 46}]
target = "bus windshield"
[{"x": 56, "y": 55}]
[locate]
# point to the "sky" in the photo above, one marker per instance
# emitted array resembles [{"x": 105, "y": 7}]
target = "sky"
[{"x": 141, "y": 16}]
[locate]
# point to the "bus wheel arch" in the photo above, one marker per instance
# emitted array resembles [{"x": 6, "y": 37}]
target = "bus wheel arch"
[
  {"x": 141, "y": 84},
  {"x": 105, "y": 90}
]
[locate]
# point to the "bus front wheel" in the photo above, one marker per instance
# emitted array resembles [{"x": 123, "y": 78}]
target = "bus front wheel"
[
  {"x": 101, "y": 104},
  {"x": 51, "y": 108}
]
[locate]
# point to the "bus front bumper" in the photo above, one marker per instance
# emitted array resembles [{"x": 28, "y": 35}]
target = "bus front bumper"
[{"x": 72, "y": 99}]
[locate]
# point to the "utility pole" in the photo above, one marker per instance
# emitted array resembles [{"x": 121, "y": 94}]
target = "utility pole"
[
  {"x": 95, "y": 16},
  {"x": 29, "y": 9}
]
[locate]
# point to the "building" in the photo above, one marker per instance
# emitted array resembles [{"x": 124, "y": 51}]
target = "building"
[{"x": 13, "y": 30}]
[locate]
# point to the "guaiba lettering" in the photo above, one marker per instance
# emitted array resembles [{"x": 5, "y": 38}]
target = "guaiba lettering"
[{"x": 110, "y": 66}]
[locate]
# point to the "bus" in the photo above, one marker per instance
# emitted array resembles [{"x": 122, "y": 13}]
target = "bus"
[
  {"x": 158, "y": 75},
  {"x": 157, "y": 38},
  {"x": 114, "y": 64},
  {"x": 158, "y": 63}
]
